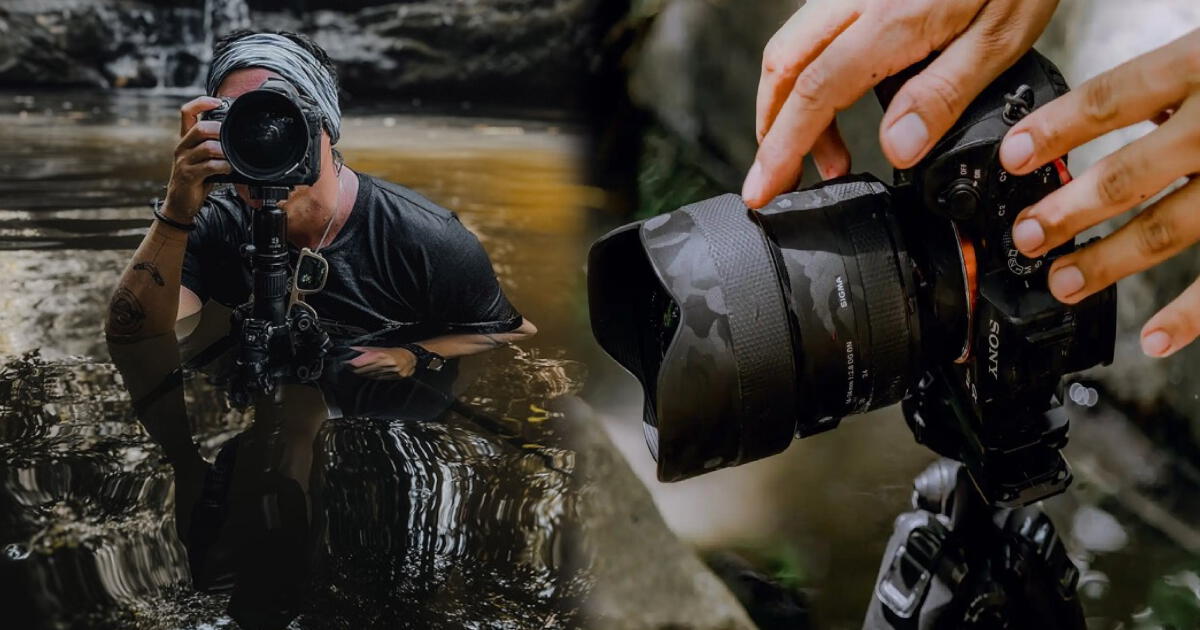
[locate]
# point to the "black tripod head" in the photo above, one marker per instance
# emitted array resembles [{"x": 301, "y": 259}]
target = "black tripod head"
[
  {"x": 277, "y": 341},
  {"x": 956, "y": 562}
]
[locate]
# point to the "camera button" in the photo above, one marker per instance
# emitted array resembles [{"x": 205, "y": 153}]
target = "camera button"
[{"x": 960, "y": 199}]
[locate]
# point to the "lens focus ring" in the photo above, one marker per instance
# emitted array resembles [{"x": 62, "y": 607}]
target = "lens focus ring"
[{"x": 889, "y": 327}]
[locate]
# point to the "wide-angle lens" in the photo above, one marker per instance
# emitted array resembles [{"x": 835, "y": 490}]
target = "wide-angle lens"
[
  {"x": 748, "y": 328},
  {"x": 265, "y": 135}
]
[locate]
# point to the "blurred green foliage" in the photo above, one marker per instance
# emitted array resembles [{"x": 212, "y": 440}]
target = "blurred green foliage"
[
  {"x": 1174, "y": 599},
  {"x": 667, "y": 180}
]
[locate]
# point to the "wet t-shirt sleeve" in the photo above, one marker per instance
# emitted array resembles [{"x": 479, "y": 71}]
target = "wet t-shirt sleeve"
[{"x": 464, "y": 294}]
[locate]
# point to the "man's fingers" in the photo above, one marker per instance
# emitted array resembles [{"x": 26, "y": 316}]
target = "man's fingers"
[
  {"x": 1111, "y": 186},
  {"x": 374, "y": 368},
  {"x": 1175, "y": 326},
  {"x": 207, "y": 150},
  {"x": 201, "y": 131},
  {"x": 792, "y": 48},
  {"x": 365, "y": 358},
  {"x": 1157, "y": 233},
  {"x": 1132, "y": 92},
  {"x": 833, "y": 81},
  {"x": 1164, "y": 115},
  {"x": 190, "y": 112},
  {"x": 928, "y": 104},
  {"x": 214, "y": 167},
  {"x": 830, "y": 153}
]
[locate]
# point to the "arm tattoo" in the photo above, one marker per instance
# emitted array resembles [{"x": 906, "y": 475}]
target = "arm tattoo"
[
  {"x": 151, "y": 269},
  {"x": 125, "y": 313}
]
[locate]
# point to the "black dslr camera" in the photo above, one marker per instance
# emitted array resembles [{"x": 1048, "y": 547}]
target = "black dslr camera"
[
  {"x": 748, "y": 328},
  {"x": 271, "y": 136}
]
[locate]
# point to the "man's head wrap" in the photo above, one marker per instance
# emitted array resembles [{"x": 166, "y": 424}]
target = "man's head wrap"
[{"x": 290, "y": 61}]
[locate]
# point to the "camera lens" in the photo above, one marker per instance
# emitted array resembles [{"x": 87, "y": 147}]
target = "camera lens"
[
  {"x": 265, "y": 135},
  {"x": 748, "y": 328}
]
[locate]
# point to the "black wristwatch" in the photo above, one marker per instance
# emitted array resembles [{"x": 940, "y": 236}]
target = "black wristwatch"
[{"x": 426, "y": 360}]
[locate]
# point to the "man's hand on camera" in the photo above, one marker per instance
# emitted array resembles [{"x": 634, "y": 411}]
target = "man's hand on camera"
[
  {"x": 831, "y": 52},
  {"x": 386, "y": 364},
  {"x": 197, "y": 157},
  {"x": 1163, "y": 86}
]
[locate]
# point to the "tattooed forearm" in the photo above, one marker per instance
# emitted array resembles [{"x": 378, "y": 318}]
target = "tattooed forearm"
[
  {"x": 125, "y": 314},
  {"x": 151, "y": 269}
]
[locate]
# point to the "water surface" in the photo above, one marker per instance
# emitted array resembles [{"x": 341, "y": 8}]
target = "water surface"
[{"x": 465, "y": 521}]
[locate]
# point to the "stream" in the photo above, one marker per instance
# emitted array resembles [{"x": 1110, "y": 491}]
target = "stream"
[{"x": 453, "y": 522}]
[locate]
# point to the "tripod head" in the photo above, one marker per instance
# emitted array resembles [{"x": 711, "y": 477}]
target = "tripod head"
[
  {"x": 276, "y": 341},
  {"x": 957, "y": 562}
]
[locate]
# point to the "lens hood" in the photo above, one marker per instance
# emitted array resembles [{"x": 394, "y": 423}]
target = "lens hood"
[
  {"x": 271, "y": 137},
  {"x": 719, "y": 382}
]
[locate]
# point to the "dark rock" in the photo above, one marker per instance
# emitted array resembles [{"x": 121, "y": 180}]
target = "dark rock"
[
  {"x": 644, "y": 576},
  {"x": 771, "y": 604},
  {"x": 31, "y": 54},
  {"x": 525, "y": 52}
]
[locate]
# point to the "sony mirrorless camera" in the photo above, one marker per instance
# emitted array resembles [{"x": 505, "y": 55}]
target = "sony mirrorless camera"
[{"x": 748, "y": 328}]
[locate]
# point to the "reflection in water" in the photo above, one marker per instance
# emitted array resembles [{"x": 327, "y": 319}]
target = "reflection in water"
[
  {"x": 435, "y": 523},
  {"x": 462, "y": 521}
]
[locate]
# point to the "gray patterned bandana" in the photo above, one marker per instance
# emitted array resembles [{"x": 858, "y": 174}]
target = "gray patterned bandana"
[{"x": 284, "y": 57}]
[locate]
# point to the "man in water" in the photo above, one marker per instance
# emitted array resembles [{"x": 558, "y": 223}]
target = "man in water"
[{"x": 407, "y": 281}]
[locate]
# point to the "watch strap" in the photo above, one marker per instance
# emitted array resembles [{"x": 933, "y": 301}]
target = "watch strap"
[{"x": 426, "y": 360}]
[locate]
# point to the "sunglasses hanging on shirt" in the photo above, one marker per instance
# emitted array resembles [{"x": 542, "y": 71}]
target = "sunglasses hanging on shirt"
[{"x": 312, "y": 270}]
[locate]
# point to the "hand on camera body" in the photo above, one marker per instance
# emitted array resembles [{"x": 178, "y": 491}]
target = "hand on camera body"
[
  {"x": 831, "y": 52},
  {"x": 1163, "y": 86},
  {"x": 198, "y": 156}
]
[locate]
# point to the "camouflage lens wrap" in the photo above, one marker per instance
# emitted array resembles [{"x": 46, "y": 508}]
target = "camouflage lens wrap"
[{"x": 731, "y": 265}]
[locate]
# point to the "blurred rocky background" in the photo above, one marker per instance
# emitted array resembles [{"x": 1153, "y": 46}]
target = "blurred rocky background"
[
  {"x": 814, "y": 520},
  {"x": 522, "y": 52}
]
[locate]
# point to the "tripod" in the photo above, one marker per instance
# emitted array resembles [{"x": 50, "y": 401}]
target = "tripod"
[
  {"x": 280, "y": 347},
  {"x": 957, "y": 562}
]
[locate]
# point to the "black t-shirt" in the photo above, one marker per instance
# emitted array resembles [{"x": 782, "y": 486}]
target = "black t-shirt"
[
  {"x": 401, "y": 269},
  {"x": 400, "y": 263}
]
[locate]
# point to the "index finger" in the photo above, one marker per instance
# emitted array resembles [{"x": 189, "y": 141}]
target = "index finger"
[
  {"x": 800, "y": 40},
  {"x": 199, "y": 132},
  {"x": 190, "y": 112},
  {"x": 1135, "y": 91},
  {"x": 841, "y": 74}
]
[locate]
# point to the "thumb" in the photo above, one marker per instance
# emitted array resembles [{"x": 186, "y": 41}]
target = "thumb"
[{"x": 931, "y": 102}]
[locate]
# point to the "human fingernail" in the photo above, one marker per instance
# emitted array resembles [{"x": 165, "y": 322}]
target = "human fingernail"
[
  {"x": 1066, "y": 281},
  {"x": 1028, "y": 235},
  {"x": 1156, "y": 344},
  {"x": 907, "y": 137},
  {"x": 1016, "y": 150},
  {"x": 753, "y": 187}
]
